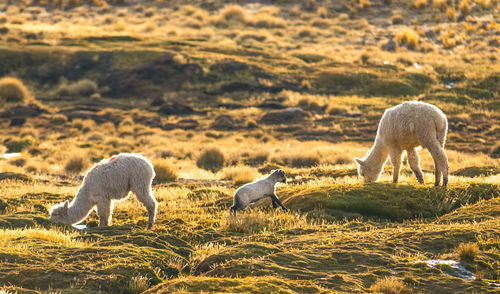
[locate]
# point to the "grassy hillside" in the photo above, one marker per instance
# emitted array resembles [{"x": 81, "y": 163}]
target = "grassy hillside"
[{"x": 219, "y": 94}]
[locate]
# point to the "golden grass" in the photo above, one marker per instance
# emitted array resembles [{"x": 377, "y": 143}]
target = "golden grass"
[
  {"x": 257, "y": 221},
  {"x": 56, "y": 237}
]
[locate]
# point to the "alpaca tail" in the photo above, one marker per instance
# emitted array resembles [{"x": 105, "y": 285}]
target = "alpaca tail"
[{"x": 441, "y": 130}]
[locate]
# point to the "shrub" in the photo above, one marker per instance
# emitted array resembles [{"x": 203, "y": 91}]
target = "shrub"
[
  {"x": 84, "y": 87},
  {"x": 464, "y": 7},
  {"x": 397, "y": 19},
  {"x": 408, "y": 38},
  {"x": 76, "y": 164},
  {"x": 13, "y": 90},
  {"x": 240, "y": 174},
  {"x": 388, "y": 285},
  {"x": 211, "y": 159},
  {"x": 467, "y": 251},
  {"x": 165, "y": 172}
]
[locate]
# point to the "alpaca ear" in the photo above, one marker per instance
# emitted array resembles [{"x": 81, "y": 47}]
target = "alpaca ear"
[
  {"x": 359, "y": 161},
  {"x": 66, "y": 203}
]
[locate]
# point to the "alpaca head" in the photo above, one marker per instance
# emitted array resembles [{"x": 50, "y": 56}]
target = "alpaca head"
[
  {"x": 367, "y": 171},
  {"x": 278, "y": 175},
  {"x": 59, "y": 212}
]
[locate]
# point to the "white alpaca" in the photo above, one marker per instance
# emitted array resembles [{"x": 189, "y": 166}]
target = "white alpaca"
[
  {"x": 405, "y": 127},
  {"x": 259, "y": 189},
  {"x": 109, "y": 180}
]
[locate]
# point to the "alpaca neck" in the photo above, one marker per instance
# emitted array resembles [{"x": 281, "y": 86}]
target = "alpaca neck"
[
  {"x": 270, "y": 179},
  {"x": 79, "y": 208},
  {"x": 377, "y": 156}
]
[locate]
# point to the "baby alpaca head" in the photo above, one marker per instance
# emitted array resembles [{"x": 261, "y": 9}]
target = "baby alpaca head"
[
  {"x": 59, "y": 212},
  {"x": 278, "y": 175},
  {"x": 367, "y": 171}
]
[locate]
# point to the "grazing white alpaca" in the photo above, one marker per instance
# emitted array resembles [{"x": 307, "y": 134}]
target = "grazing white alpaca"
[
  {"x": 109, "y": 180},
  {"x": 259, "y": 189},
  {"x": 405, "y": 127}
]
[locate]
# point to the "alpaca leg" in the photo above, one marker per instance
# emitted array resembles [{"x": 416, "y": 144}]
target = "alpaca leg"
[
  {"x": 275, "y": 205},
  {"x": 145, "y": 196},
  {"x": 441, "y": 164},
  {"x": 104, "y": 212},
  {"x": 275, "y": 199},
  {"x": 414, "y": 161},
  {"x": 396, "y": 163}
]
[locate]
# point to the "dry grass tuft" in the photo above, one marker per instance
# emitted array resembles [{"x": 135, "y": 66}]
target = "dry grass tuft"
[
  {"x": 464, "y": 7},
  {"x": 211, "y": 159},
  {"x": 13, "y": 90},
  {"x": 84, "y": 87},
  {"x": 419, "y": 4},
  {"x": 467, "y": 251},
  {"x": 234, "y": 13},
  {"x": 451, "y": 14},
  {"x": 165, "y": 172},
  {"x": 407, "y": 38},
  {"x": 138, "y": 284},
  {"x": 439, "y": 5},
  {"x": 76, "y": 164},
  {"x": 240, "y": 174},
  {"x": 397, "y": 19},
  {"x": 388, "y": 285},
  {"x": 58, "y": 119}
]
